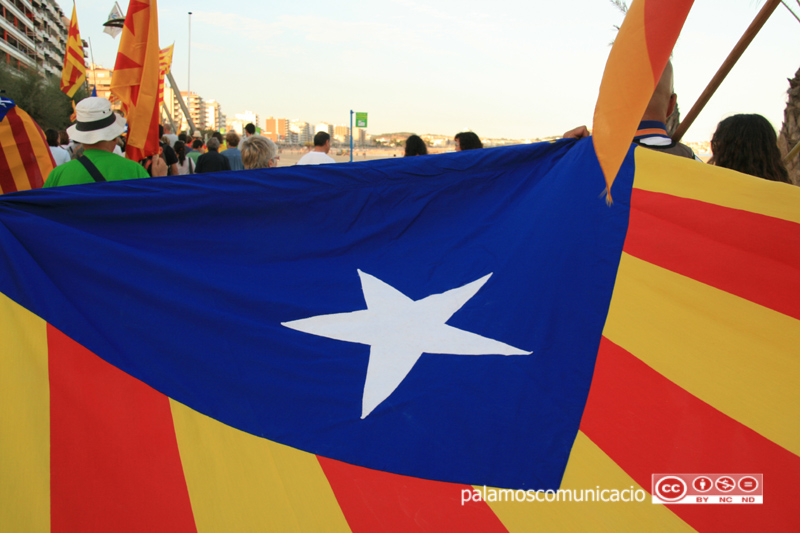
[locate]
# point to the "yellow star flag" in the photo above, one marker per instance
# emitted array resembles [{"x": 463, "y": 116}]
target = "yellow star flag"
[
  {"x": 136, "y": 75},
  {"x": 73, "y": 75}
]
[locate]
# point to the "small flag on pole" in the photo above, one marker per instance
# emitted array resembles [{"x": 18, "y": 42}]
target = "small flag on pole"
[
  {"x": 113, "y": 24},
  {"x": 135, "y": 78},
  {"x": 640, "y": 53},
  {"x": 164, "y": 66},
  {"x": 74, "y": 72}
]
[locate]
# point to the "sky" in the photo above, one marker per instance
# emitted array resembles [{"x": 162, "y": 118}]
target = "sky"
[{"x": 504, "y": 69}]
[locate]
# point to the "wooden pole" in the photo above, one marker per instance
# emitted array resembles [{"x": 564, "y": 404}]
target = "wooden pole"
[
  {"x": 726, "y": 67},
  {"x": 792, "y": 154}
]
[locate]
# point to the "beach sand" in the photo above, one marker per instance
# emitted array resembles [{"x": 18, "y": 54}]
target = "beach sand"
[{"x": 291, "y": 157}]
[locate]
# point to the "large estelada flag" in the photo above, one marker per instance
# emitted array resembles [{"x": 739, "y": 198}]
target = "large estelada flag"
[
  {"x": 25, "y": 158},
  {"x": 357, "y": 346},
  {"x": 135, "y": 81}
]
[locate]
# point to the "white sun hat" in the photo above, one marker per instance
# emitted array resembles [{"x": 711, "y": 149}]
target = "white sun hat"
[{"x": 95, "y": 122}]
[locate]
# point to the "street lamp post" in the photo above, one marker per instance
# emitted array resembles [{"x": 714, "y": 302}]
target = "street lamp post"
[{"x": 189, "y": 69}]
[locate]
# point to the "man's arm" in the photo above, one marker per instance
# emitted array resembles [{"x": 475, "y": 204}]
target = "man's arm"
[{"x": 577, "y": 133}]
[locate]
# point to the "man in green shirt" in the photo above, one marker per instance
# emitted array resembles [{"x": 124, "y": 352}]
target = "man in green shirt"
[{"x": 97, "y": 128}]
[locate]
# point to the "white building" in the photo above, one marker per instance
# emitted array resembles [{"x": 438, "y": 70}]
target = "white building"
[{"x": 303, "y": 131}]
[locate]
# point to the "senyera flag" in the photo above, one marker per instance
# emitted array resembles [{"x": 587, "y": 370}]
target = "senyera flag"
[
  {"x": 637, "y": 59},
  {"x": 73, "y": 74},
  {"x": 376, "y": 346},
  {"x": 25, "y": 158},
  {"x": 164, "y": 66},
  {"x": 135, "y": 81}
]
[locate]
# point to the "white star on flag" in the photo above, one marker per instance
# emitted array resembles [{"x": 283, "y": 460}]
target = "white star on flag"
[{"x": 399, "y": 330}]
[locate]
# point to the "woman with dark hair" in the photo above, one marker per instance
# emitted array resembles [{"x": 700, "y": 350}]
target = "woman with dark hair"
[
  {"x": 415, "y": 146},
  {"x": 467, "y": 140},
  {"x": 748, "y": 144},
  {"x": 60, "y": 156},
  {"x": 185, "y": 164}
]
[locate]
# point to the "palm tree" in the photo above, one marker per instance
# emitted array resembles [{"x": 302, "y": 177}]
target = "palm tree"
[{"x": 790, "y": 131}]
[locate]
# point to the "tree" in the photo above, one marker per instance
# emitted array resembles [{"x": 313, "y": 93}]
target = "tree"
[
  {"x": 39, "y": 94},
  {"x": 790, "y": 130}
]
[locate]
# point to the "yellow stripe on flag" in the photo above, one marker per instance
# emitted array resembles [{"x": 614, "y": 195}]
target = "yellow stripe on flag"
[
  {"x": 737, "y": 356},
  {"x": 24, "y": 420},
  {"x": 8, "y": 144},
  {"x": 239, "y": 482},
  {"x": 588, "y": 468},
  {"x": 44, "y": 157},
  {"x": 682, "y": 177}
]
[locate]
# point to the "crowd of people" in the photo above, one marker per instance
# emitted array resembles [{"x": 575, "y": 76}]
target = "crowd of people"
[{"x": 88, "y": 150}]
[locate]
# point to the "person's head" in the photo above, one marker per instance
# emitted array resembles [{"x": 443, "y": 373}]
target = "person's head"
[
  {"x": 415, "y": 146},
  {"x": 180, "y": 151},
  {"x": 663, "y": 101},
  {"x": 259, "y": 152},
  {"x": 197, "y": 144},
  {"x": 96, "y": 124},
  {"x": 218, "y": 136},
  {"x": 467, "y": 140},
  {"x": 748, "y": 144},
  {"x": 63, "y": 138},
  {"x": 250, "y": 129},
  {"x": 232, "y": 138},
  {"x": 197, "y": 135},
  {"x": 167, "y": 128},
  {"x": 52, "y": 137},
  {"x": 183, "y": 137},
  {"x": 212, "y": 144},
  {"x": 160, "y": 131},
  {"x": 322, "y": 141}
]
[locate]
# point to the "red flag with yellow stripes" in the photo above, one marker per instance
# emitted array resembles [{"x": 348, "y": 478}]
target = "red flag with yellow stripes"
[
  {"x": 634, "y": 66},
  {"x": 135, "y": 80},
  {"x": 73, "y": 75},
  {"x": 164, "y": 66},
  {"x": 25, "y": 158}
]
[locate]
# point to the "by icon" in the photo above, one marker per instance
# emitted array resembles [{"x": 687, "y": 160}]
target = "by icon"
[{"x": 702, "y": 484}]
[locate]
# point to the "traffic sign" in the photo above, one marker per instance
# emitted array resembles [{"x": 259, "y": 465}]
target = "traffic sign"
[{"x": 361, "y": 120}]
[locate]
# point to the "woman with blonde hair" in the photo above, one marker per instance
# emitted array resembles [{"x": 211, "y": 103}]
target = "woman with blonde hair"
[{"x": 259, "y": 152}]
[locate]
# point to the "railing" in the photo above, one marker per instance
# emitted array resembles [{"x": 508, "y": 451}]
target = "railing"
[
  {"x": 23, "y": 19},
  {"x": 16, "y": 53}
]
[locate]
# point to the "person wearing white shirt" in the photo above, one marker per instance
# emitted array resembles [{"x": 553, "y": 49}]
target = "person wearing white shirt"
[
  {"x": 60, "y": 156},
  {"x": 319, "y": 155}
]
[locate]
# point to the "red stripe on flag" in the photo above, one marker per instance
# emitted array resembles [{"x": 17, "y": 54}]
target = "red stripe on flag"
[
  {"x": 25, "y": 147},
  {"x": 7, "y": 183},
  {"x": 648, "y": 425},
  {"x": 750, "y": 255},
  {"x": 662, "y": 24},
  {"x": 372, "y": 500},
  {"x": 114, "y": 456}
]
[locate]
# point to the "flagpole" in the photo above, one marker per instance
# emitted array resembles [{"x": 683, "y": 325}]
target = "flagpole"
[
  {"x": 189, "y": 69},
  {"x": 726, "y": 67},
  {"x": 94, "y": 75},
  {"x": 792, "y": 154}
]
